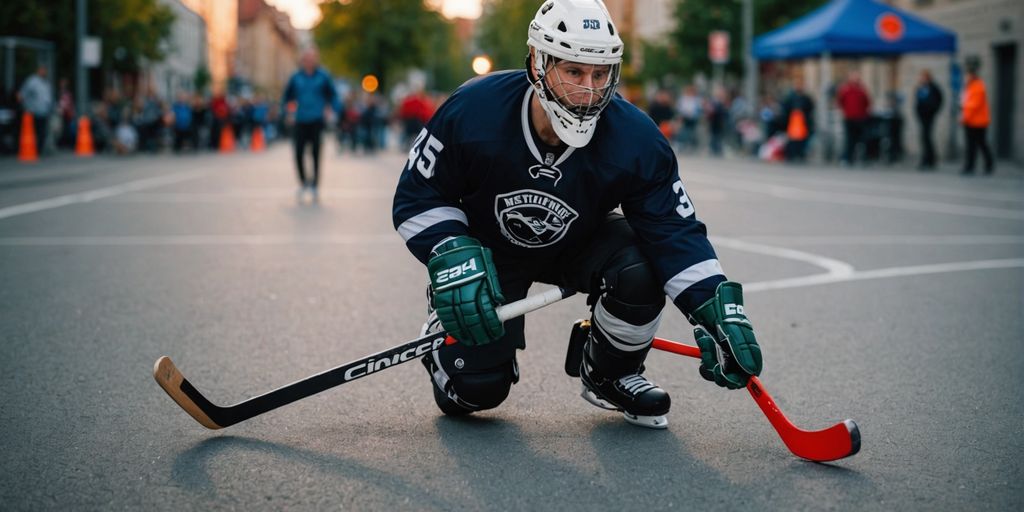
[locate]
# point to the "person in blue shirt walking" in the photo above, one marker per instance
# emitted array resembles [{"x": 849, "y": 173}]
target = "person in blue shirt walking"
[
  {"x": 182, "y": 110},
  {"x": 312, "y": 90}
]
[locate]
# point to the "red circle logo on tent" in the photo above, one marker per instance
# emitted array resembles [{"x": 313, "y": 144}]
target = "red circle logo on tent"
[{"x": 889, "y": 27}]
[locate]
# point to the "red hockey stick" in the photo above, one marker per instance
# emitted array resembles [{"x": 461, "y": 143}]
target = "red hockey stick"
[{"x": 836, "y": 442}]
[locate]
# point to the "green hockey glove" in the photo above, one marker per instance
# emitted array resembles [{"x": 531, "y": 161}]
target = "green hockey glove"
[
  {"x": 466, "y": 290},
  {"x": 729, "y": 353}
]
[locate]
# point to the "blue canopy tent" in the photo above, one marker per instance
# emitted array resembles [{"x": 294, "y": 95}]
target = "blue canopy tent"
[
  {"x": 854, "y": 28},
  {"x": 851, "y": 28}
]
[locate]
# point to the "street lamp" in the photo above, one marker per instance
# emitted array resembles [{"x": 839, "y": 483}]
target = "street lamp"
[
  {"x": 481, "y": 65},
  {"x": 749, "y": 64},
  {"x": 370, "y": 83}
]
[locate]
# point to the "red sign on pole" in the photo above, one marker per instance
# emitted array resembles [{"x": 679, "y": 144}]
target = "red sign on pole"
[{"x": 718, "y": 47}]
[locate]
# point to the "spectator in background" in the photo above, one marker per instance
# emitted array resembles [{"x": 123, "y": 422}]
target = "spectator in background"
[
  {"x": 102, "y": 131},
  {"x": 718, "y": 119},
  {"x": 348, "y": 124},
  {"x": 798, "y": 116},
  {"x": 126, "y": 137},
  {"x": 8, "y": 122},
  {"x": 855, "y": 104},
  {"x": 181, "y": 109},
  {"x": 66, "y": 110},
  {"x": 975, "y": 118},
  {"x": 312, "y": 90},
  {"x": 151, "y": 114},
  {"x": 893, "y": 117},
  {"x": 928, "y": 102},
  {"x": 260, "y": 115},
  {"x": 740, "y": 112},
  {"x": 37, "y": 99},
  {"x": 662, "y": 113},
  {"x": 769, "y": 115},
  {"x": 241, "y": 119},
  {"x": 200, "y": 120},
  {"x": 414, "y": 112},
  {"x": 368, "y": 123},
  {"x": 690, "y": 109},
  {"x": 220, "y": 116},
  {"x": 116, "y": 106}
]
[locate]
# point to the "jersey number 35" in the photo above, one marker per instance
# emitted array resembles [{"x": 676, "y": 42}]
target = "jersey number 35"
[{"x": 425, "y": 157}]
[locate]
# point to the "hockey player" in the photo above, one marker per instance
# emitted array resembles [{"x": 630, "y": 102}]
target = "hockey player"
[{"x": 515, "y": 179}]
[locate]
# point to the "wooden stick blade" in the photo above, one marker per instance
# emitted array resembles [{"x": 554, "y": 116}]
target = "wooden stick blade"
[{"x": 170, "y": 379}]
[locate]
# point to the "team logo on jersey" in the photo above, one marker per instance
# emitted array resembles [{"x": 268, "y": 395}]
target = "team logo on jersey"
[{"x": 530, "y": 218}]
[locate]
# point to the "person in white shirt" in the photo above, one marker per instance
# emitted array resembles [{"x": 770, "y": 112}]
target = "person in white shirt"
[{"x": 36, "y": 97}]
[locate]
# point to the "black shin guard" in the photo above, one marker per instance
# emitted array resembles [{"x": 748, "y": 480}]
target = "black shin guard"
[{"x": 612, "y": 368}]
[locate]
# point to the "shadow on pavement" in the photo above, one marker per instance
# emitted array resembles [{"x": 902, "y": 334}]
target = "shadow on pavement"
[{"x": 190, "y": 468}]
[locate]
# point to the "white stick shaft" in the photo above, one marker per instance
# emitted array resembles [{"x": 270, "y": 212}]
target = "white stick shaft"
[{"x": 532, "y": 303}]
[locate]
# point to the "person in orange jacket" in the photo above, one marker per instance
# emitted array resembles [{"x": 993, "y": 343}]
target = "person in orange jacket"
[{"x": 975, "y": 118}]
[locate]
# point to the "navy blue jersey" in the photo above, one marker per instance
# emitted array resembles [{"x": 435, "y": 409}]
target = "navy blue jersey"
[{"x": 477, "y": 170}]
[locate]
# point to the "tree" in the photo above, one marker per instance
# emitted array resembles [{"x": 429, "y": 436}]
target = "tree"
[
  {"x": 382, "y": 37},
  {"x": 695, "y": 19},
  {"x": 129, "y": 29},
  {"x": 133, "y": 29},
  {"x": 201, "y": 78},
  {"x": 502, "y": 31}
]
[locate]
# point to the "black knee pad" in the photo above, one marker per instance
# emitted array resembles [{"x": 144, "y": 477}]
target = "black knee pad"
[
  {"x": 631, "y": 290},
  {"x": 486, "y": 389},
  {"x": 475, "y": 378}
]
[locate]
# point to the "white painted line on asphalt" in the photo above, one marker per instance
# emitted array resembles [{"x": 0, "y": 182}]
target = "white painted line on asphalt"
[
  {"x": 955, "y": 189},
  {"x": 835, "y": 268},
  {"x": 248, "y": 194},
  {"x": 92, "y": 195},
  {"x": 881, "y": 273},
  {"x": 800, "y": 194},
  {"x": 194, "y": 240},
  {"x": 889, "y": 239},
  {"x": 840, "y": 271}
]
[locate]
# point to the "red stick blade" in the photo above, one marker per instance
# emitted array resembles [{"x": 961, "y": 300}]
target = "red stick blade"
[{"x": 836, "y": 442}]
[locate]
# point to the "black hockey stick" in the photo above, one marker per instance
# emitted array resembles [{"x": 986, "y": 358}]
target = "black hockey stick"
[{"x": 215, "y": 417}]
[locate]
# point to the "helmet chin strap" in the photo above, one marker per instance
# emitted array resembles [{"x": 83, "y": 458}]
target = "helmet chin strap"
[{"x": 541, "y": 89}]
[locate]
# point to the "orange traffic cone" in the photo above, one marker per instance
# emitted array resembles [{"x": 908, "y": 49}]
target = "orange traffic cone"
[
  {"x": 227, "y": 139},
  {"x": 27, "y": 151},
  {"x": 83, "y": 143},
  {"x": 258, "y": 144}
]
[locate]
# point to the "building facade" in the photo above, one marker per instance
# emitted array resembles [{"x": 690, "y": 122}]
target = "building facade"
[
  {"x": 221, "y": 17},
  {"x": 268, "y": 47},
  {"x": 187, "y": 52},
  {"x": 642, "y": 20}
]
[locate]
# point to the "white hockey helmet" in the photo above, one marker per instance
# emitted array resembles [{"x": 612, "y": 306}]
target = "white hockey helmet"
[{"x": 579, "y": 31}]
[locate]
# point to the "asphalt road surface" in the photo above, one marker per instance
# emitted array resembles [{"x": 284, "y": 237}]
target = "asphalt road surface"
[{"x": 887, "y": 296}]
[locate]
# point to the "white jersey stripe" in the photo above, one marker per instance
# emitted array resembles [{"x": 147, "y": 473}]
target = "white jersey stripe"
[
  {"x": 419, "y": 223},
  {"x": 691, "y": 276}
]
